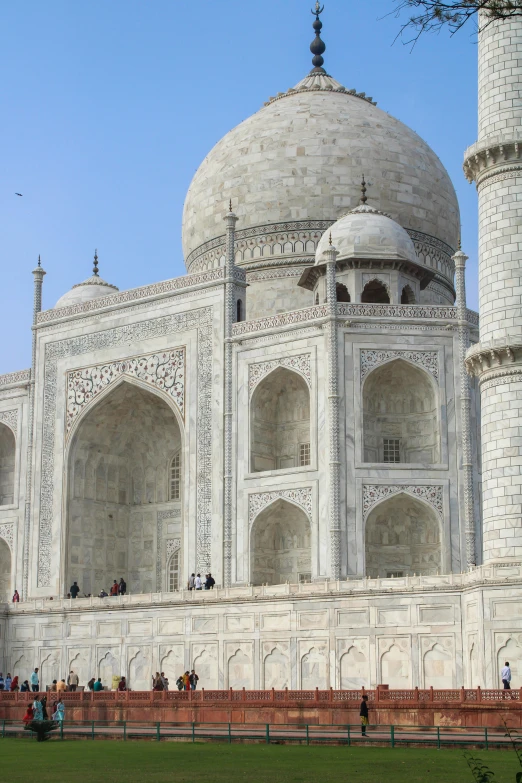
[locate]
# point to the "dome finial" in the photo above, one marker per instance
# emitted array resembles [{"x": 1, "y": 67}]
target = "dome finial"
[
  {"x": 317, "y": 47},
  {"x": 330, "y": 239},
  {"x": 95, "y": 267},
  {"x": 230, "y": 205},
  {"x": 364, "y": 198},
  {"x": 39, "y": 260}
]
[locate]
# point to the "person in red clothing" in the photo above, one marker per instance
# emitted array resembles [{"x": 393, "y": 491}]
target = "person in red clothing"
[
  {"x": 114, "y": 588},
  {"x": 122, "y": 685},
  {"x": 16, "y": 597},
  {"x": 28, "y": 715}
]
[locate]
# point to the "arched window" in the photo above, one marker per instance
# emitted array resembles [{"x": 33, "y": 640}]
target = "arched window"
[
  {"x": 342, "y": 293},
  {"x": 280, "y": 422},
  {"x": 239, "y": 310},
  {"x": 175, "y": 477},
  {"x": 407, "y": 295},
  {"x": 7, "y": 465},
  {"x": 375, "y": 292},
  {"x": 173, "y": 572}
]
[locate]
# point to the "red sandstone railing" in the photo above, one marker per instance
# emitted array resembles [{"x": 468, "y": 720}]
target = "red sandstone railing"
[{"x": 415, "y": 696}]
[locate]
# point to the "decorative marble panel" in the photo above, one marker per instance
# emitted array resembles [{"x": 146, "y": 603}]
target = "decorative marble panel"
[
  {"x": 374, "y": 493},
  {"x": 10, "y": 418},
  {"x": 301, "y": 497},
  {"x": 7, "y": 533},
  {"x": 428, "y": 360},
  {"x": 301, "y": 364}
]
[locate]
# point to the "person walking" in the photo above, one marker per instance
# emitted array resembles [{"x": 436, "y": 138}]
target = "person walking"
[
  {"x": 193, "y": 678},
  {"x": 74, "y": 590},
  {"x": 59, "y": 713},
  {"x": 363, "y": 712},
  {"x": 186, "y": 681},
  {"x": 16, "y": 597},
  {"x": 114, "y": 588},
  {"x": 179, "y": 683},
  {"x": 209, "y": 582},
  {"x": 37, "y": 709},
  {"x": 35, "y": 682},
  {"x": 505, "y": 676},
  {"x": 191, "y": 581},
  {"x": 122, "y": 587},
  {"x": 73, "y": 681},
  {"x": 43, "y": 702},
  {"x": 198, "y": 584},
  {"x": 14, "y": 684},
  {"x": 29, "y": 714}
]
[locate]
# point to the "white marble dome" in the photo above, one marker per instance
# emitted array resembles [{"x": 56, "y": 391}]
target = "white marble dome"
[
  {"x": 92, "y": 288},
  {"x": 366, "y": 233},
  {"x": 300, "y": 158}
]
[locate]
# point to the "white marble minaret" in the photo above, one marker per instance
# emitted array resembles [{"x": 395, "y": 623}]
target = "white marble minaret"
[{"x": 495, "y": 164}]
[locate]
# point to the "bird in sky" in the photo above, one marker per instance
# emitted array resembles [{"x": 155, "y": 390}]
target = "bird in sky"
[{"x": 18, "y": 194}]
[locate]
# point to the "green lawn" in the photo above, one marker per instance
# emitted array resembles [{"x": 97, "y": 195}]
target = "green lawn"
[{"x": 107, "y": 761}]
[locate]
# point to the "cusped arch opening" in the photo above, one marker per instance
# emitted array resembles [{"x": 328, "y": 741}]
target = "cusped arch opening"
[
  {"x": 400, "y": 415},
  {"x": 375, "y": 292},
  {"x": 5, "y": 571},
  {"x": 407, "y": 295},
  {"x": 7, "y": 465},
  {"x": 280, "y": 422},
  {"x": 342, "y": 293},
  {"x": 120, "y": 475},
  {"x": 280, "y": 545},
  {"x": 402, "y": 538}
]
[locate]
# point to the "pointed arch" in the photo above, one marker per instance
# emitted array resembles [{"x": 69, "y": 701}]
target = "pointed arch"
[
  {"x": 7, "y": 465},
  {"x": 400, "y": 414},
  {"x": 6, "y": 567},
  {"x": 280, "y": 421},
  {"x": 375, "y": 292},
  {"x": 342, "y": 293},
  {"x": 407, "y": 295},
  {"x": 280, "y": 544}
]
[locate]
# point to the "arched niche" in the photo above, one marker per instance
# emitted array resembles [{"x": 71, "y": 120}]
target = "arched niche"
[
  {"x": 5, "y": 571},
  {"x": 280, "y": 545},
  {"x": 400, "y": 415},
  {"x": 403, "y": 537},
  {"x": 375, "y": 292},
  {"x": 280, "y": 422},
  {"x": 119, "y": 465},
  {"x": 7, "y": 465},
  {"x": 407, "y": 295},
  {"x": 342, "y": 293}
]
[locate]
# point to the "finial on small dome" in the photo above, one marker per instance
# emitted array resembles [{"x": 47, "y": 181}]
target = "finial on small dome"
[
  {"x": 95, "y": 267},
  {"x": 330, "y": 239},
  {"x": 459, "y": 245},
  {"x": 39, "y": 261},
  {"x": 317, "y": 47},
  {"x": 364, "y": 198},
  {"x": 230, "y": 205}
]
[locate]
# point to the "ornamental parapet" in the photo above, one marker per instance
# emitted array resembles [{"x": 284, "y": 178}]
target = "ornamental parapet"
[
  {"x": 495, "y": 155},
  {"x": 502, "y": 352},
  {"x": 317, "y": 313},
  {"x": 18, "y": 378}
]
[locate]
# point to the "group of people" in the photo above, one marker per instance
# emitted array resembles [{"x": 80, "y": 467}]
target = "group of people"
[
  {"x": 187, "y": 681},
  {"x": 38, "y": 710},
  {"x": 160, "y": 682},
  {"x": 118, "y": 588},
  {"x": 197, "y": 582}
]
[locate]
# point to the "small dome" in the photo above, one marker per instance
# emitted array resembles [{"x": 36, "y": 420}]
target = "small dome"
[
  {"x": 92, "y": 288},
  {"x": 367, "y": 233}
]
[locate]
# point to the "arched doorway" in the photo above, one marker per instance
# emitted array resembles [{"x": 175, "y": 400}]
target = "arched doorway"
[
  {"x": 280, "y": 545},
  {"x": 402, "y": 538},
  {"x": 120, "y": 467},
  {"x": 342, "y": 293},
  {"x": 407, "y": 295},
  {"x": 375, "y": 292},
  {"x": 400, "y": 410},
  {"x": 5, "y": 572},
  {"x": 280, "y": 422},
  {"x": 7, "y": 465}
]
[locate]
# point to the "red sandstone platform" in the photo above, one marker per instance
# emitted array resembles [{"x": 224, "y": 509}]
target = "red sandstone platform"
[{"x": 431, "y": 707}]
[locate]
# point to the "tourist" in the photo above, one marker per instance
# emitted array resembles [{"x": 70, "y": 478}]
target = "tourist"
[
  {"x": 363, "y": 712},
  {"x": 54, "y": 686},
  {"x": 16, "y": 597},
  {"x": 74, "y": 590},
  {"x": 98, "y": 685},
  {"x": 25, "y": 687},
  {"x": 73, "y": 681},
  {"x": 164, "y": 681},
  {"x": 8, "y": 681},
  {"x": 157, "y": 684},
  {"x": 43, "y": 702},
  {"x": 114, "y": 588},
  {"x": 122, "y": 685},
  {"x": 209, "y": 582},
  {"x": 59, "y": 713},
  {"x": 193, "y": 679},
  {"x": 179, "y": 682},
  {"x": 90, "y": 684},
  {"x": 2, "y": 682},
  {"x": 186, "y": 681},
  {"x": 122, "y": 587},
  {"x": 37, "y": 709},
  {"x": 35, "y": 682},
  {"x": 61, "y": 686},
  {"x": 191, "y": 581},
  {"x": 103, "y": 593},
  {"x": 14, "y": 684},
  {"x": 198, "y": 584},
  {"x": 505, "y": 675},
  {"x": 29, "y": 714}
]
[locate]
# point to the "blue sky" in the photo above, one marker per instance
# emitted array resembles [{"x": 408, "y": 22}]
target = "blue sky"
[{"x": 109, "y": 106}]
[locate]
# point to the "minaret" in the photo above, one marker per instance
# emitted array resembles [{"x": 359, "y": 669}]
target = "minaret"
[
  {"x": 494, "y": 163},
  {"x": 38, "y": 276}
]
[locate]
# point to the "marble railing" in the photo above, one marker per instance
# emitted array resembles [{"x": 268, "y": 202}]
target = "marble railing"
[
  {"x": 15, "y": 378},
  {"x": 348, "y": 310},
  {"x": 494, "y": 573}
]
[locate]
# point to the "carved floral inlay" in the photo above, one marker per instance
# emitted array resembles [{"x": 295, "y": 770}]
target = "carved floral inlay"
[
  {"x": 374, "y": 493},
  {"x": 428, "y": 360},
  {"x": 10, "y": 418},
  {"x": 258, "y": 501},
  {"x": 7, "y": 533},
  {"x": 256, "y": 372},
  {"x": 163, "y": 370}
]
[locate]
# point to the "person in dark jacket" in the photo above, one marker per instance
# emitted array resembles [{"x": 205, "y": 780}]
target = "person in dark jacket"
[
  {"x": 74, "y": 590},
  {"x": 122, "y": 587},
  {"x": 25, "y": 687},
  {"x": 209, "y": 582},
  {"x": 363, "y": 712}
]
